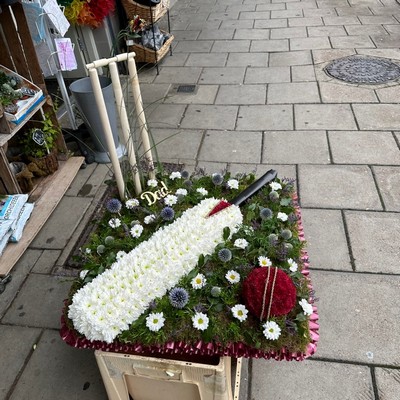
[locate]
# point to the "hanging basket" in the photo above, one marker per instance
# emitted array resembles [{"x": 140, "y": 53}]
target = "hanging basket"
[
  {"x": 147, "y": 13},
  {"x": 146, "y": 55}
]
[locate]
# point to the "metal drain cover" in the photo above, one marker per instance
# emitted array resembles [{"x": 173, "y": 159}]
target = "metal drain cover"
[
  {"x": 365, "y": 70},
  {"x": 186, "y": 88}
]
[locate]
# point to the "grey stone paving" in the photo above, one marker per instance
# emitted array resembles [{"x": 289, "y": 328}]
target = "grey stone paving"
[{"x": 261, "y": 101}]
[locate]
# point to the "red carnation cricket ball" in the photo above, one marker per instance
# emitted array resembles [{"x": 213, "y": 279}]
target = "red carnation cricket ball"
[{"x": 284, "y": 295}]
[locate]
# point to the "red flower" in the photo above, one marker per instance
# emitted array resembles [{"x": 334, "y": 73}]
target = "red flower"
[{"x": 284, "y": 295}]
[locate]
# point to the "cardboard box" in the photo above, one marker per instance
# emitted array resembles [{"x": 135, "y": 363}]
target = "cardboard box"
[{"x": 151, "y": 378}]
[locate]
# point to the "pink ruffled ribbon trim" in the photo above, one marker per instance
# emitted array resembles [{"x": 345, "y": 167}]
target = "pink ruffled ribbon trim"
[{"x": 201, "y": 348}]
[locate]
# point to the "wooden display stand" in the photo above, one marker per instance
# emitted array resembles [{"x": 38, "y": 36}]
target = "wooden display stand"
[
  {"x": 145, "y": 378},
  {"x": 17, "y": 53}
]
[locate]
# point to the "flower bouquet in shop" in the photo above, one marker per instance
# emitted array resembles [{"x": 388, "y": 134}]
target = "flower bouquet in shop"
[{"x": 197, "y": 264}]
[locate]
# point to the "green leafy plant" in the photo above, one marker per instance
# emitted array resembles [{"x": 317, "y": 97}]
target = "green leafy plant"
[
  {"x": 48, "y": 131},
  {"x": 8, "y": 89}
]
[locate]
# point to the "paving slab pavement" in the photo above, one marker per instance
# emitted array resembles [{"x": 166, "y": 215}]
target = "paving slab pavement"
[{"x": 262, "y": 100}]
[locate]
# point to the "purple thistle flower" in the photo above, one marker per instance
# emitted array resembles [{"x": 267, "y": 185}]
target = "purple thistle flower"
[
  {"x": 185, "y": 174},
  {"x": 114, "y": 206},
  {"x": 225, "y": 255},
  {"x": 265, "y": 213},
  {"x": 178, "y": 297},
  {"x": 292, "y": 218},
  {"x": 217, "y": 179},
  {"x": 167, "y": 214}
]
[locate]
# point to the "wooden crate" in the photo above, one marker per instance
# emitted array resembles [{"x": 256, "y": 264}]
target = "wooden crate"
[{"x": 154, "y": 378}]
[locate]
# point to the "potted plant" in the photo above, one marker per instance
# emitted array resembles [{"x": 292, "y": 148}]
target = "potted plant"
[
  {"x": 131, "y": 34},
  {"x": 39, "y": 146},
  {"x": 9, "y": 93}
]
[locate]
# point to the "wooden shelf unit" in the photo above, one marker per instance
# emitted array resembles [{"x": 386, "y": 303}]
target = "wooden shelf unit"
[{"x": 17, "y": 53}]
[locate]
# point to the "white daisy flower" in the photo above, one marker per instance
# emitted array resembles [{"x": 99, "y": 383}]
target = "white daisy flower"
[
  {"x": 199, "y": 281},
  {"x": 306, "y": 306},
  {"x": 282, "y": 216},
  {"x": 120, "y": 254},
  {"x": 271, "y": 330},
  {"x": 275, "y": 186},
  {"x": 239, "y": 311},
  {"x": 202, "y": 191},
  {"x": 233, "y": 184},
  {"x": 155, "y": 321},
  {"x": 87, "y": 250},
  {"x": 114, "y": 222},
  {"x": 152, "y": 183},
  {"x": 232, "y": 276},
  {"x": 148, "y": 219},
  {"x": 241, "y": 243},
  {"x": 131, "y": 203},
  {"x": 200, "y": 321},
  {"x": 264, "y": 261},
  {"x": 170, "y": 200},
  {"x": 83, "y": 273},
  {"x": 136, "y": 230},
  {"x": 292, "y": 265},
  {"x": 181, "y": 192},
  {"x": 175, "y": 175}
]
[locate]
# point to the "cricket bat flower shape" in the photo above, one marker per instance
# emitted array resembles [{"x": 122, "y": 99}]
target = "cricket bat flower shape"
[{"x": 108, "y": 304}]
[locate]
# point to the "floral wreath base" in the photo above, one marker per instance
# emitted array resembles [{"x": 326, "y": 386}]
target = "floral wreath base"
[{"x": 202, "y": 348}]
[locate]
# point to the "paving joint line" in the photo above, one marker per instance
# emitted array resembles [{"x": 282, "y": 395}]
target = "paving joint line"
[
  {"x": 360, "y": 363},
  {"x": 377, "y": 188},
  {"x": 349, "y": 246},
  {"x": 385, "y": 274},
  {"x": 374, "y": 383}
]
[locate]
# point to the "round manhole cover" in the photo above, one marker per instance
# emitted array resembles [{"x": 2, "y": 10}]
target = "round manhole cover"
[{"x": 363, "y": 70}]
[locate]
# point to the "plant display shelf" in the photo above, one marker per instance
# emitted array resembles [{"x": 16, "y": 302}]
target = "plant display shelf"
[
  {"x": 17, "y": 53},
  {"x": 5, "y": 137}
]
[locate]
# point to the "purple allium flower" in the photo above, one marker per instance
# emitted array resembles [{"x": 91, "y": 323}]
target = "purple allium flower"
[
  {"x": 265, "y": 213},
  {"x": 114, "y": 206},
  {"x": 188, "y": 183},
  {"x": 292, "y": 218},
  {"x": 178, "y": 297},
  {"x": 167, "y": 214},
  {"x": 281, "y": 254},
  {"x": 225, "y": 255}
]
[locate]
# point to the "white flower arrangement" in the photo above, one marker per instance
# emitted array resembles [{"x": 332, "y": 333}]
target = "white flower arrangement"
[
  {"x": 240, "y": 312},
  {"x": 131, "y": 203},
  {"x": 200, "y": 321},
  {"x": 199, "y": 281},
  {"x": 292, "y": 265},
  {"x": 155, "y": 321},
  {"x": 275, "y": 186},
  {"x": 181, "y": 192},
  {"x": 202, "y": 191},
  {"x": 170, "y": 200},
  {"x": 306, "y": 306},
  {"x": 282, "y": 216},
  {"x": 264, "y": 261},
  {"x": 148, "y": 219},
  {"x": 241, "y": 243},
  {"x": 114, "y": 223},
  {"x": 108, "y": 304},
  {"x": 272, "y": 331},
  {"x": 136, "y": 230},
  {"x": 175, "y": 175},
  {"x": 232, "y": 276},
  {"x": 233, "y": 184},
  {"x": 152, "y": 183}
]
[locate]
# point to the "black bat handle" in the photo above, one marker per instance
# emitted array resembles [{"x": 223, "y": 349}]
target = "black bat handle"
[{"x": 254, "y": 187}]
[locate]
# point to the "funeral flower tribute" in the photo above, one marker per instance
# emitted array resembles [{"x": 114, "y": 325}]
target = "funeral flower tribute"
[{"x": 180, "y": 269}]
